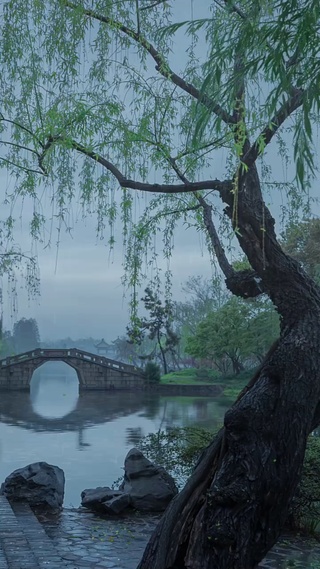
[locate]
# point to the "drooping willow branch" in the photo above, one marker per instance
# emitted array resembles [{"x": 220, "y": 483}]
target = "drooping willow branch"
[
  {"x": 292, "y": 104},
  {"x": 161, "y": 64}
]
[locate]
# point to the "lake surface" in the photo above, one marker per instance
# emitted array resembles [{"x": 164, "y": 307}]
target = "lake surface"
[{"x": 87, "y": 435}]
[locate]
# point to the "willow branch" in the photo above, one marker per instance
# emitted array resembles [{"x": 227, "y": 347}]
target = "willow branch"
[
  {"x": 161, "y": 65},
  {"x": 22, "y": 127},
  {"x": 157, "y": 3},
  {"x": 19, "y": 146},
  {"x": 292, "y": 104},
  {"x": 24, "y": 168}
]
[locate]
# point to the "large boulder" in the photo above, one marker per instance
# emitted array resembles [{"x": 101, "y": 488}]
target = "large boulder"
[
  {"x": 105, "y": 500},
  {"x": 150, "y": 487},
  {"x": 39, "y": 484}
]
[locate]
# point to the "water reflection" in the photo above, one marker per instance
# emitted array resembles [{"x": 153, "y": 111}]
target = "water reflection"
[
  {"x": 88, "y": 434},
  {"x": 54, "y": 390}
]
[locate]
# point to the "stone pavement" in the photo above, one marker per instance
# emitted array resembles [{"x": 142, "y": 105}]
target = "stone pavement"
[
  {"x": 79, "y": 539},
  {"x": 93, "y": 542},
  {"x": 25, "y": 545}
]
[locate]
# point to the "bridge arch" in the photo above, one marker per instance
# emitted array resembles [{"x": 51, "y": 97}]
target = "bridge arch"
[{"x": 65, "y": 361}]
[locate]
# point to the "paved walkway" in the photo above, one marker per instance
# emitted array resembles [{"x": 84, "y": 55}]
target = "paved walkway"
[
  {"x": 81, "y": 540},
  {"x": 24, "y": 544}
]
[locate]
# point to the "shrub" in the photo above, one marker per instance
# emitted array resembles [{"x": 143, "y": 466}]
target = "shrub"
[
  {"x": 177, "y": 449},
  {"x": 152, "y": 372}
]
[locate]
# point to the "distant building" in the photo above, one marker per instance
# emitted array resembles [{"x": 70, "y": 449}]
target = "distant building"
[{"x": 103, "y": 348}]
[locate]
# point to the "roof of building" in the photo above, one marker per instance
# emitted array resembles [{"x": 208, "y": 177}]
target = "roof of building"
[{"x": 102, "y": 344}]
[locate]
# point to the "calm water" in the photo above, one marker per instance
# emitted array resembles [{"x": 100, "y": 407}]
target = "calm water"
[{"x": 87, "y": 435}]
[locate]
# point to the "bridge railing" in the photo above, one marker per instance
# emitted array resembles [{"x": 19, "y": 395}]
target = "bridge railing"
[
  {"x": 20, "y": 357},
  {"x": 69, "y": 353},
  {"x": 101, "y": 360}
]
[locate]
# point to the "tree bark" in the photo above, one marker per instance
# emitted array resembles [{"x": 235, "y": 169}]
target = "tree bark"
[{"x": 234, "y": 506}]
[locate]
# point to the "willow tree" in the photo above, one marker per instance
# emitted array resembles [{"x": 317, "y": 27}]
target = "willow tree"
[{"x": 103, "y": 99}]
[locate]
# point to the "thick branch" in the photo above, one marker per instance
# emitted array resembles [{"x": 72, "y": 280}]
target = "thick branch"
[
  {"x": 215, "y": 185},
  {"x": 161, "y": 65},
  {"x": 157, "y": 188},
  {"x": 215, "y": 241},
  {"x": 246, "y": 283}
]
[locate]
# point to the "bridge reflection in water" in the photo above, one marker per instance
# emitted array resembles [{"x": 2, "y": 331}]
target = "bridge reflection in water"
[
  {"x": 92, "y": 408},
  {"x": 54, "y": 390}
]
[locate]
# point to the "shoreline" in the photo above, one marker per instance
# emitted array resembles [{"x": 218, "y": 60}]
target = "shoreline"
[{"x": 176, "y": 389}]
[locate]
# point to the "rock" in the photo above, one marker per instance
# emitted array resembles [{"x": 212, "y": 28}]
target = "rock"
[
  {"x": 105, "y": 500},
  {"x": 39, "y": 484},
  {"x": 150, "y": 487}
]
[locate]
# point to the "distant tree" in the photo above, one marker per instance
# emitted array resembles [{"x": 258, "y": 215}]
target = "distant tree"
[
  {"x": 222, "y": 335},
  {"x": 158, "y": 326},
  {"x": 302, "y": 241},
  {"x": 204, "y": 295},
  {"x": 85, "y": 344},
  {"x": 238, "y": 330},
  {"x": 264, "y": 327},
  {"x": 26, "y": 335},
  {"x": 7, "y": 344}
]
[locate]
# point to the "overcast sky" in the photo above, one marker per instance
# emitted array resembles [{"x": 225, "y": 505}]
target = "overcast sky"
[{"x": 80, "y": 283}]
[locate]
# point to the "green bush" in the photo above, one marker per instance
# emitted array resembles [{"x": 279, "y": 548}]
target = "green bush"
[
  {"x": 177, "y": 449},
  {"x": 152, "y": 372}
]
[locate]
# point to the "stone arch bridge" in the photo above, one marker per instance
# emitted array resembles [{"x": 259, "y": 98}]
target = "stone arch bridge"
[{"x": 93, "y": 371}]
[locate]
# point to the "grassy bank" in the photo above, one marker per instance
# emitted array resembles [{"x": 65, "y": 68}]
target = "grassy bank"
[
  {"x": 232, "y": 385},
  {"x": 186, "y": 377}
]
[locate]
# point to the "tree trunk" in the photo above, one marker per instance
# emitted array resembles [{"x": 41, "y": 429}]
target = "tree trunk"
[
  {"x": 163, "y": 356},
  {"x": 234, "y": 506},
  {"x": 237, "y": 365}
]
